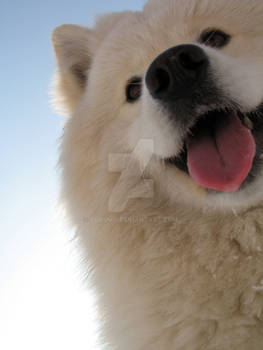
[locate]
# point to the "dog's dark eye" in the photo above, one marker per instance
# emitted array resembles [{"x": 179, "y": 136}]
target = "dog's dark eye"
[
  {"x": 134, "y": 89},
  {"x": 214, "y": 38}
]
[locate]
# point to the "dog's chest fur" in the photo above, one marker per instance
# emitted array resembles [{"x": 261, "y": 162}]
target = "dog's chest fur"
[{"x": 190, "y": 278}]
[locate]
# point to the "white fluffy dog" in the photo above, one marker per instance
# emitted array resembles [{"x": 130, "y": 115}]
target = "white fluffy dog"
[{"x": 162, "y": 171}]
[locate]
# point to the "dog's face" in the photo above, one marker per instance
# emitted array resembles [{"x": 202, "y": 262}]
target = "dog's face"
[{"x": 189, "y": 77}]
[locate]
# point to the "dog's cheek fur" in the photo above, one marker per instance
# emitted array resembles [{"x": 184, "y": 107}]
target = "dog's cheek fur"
[{"x": 239, "y": 79}]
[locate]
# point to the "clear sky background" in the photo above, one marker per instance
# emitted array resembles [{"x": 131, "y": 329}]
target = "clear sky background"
[{"x": 43, "y": 305}]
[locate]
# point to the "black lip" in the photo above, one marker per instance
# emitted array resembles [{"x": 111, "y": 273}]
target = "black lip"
[
  {"x": 256, "y": 117},
  {"x": 180, "y": 161}
]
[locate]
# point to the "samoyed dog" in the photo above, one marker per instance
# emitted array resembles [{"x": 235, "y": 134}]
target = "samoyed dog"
[{"x": 162, "y": 171}]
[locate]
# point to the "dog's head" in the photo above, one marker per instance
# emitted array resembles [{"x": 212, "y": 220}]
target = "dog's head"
[{"x": 184, "y": 81}]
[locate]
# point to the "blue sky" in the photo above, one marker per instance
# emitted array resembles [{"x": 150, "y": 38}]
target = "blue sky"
[{"x": 30, "y": 233}]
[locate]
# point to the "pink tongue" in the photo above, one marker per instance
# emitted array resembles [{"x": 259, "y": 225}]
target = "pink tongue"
[{"x": 222, "y": 161}]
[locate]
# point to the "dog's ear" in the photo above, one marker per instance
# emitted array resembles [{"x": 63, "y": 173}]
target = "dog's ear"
[{"x": 73, "y": 61}]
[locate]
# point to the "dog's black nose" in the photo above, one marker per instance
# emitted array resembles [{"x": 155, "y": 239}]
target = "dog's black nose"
[{"x": 177, "y": 72}]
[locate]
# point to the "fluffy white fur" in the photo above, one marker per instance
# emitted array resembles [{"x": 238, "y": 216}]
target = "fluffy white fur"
[{"x": 179, "y": 268}]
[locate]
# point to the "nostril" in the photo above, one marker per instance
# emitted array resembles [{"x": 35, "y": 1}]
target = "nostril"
[
  {"x": 163, "y": 80},
  {"x": 190, "y": 61},
  {"x": 157, "y": 79}
]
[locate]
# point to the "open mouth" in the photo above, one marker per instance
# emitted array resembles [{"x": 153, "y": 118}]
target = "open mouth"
[{"x": 219, "y": 150}]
